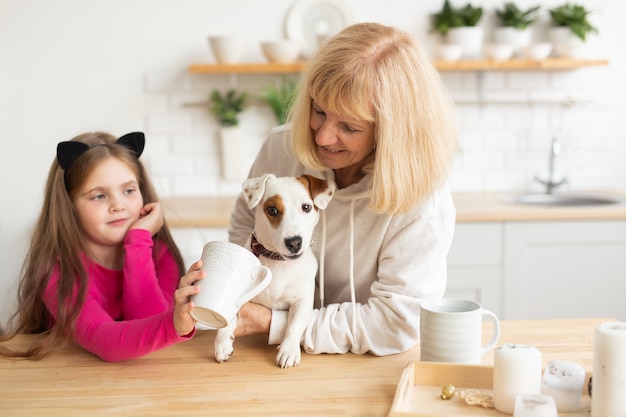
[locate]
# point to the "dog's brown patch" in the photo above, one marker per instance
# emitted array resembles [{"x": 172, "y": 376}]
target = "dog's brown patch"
[
  {"x": 277, "y": 202},
  {"x": 315, "y": 185}
]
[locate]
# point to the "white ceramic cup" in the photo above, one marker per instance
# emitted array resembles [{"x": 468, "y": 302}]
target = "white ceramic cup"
[
  {"x": 451, "y": 331},
  {"x": 233, "y": 276}
]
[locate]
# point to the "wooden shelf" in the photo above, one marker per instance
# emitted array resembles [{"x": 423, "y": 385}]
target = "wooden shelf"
[
  {"x": 247, "y": 68},
  {"x": 518, "y": 64},
  {"x": 465, "y": 65}
]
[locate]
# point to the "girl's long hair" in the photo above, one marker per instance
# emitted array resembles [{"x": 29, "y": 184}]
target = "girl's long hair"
[{"x": 57, "y": 242}]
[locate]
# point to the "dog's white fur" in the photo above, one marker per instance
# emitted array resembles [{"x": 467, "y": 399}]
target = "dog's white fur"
[{"x": 286, "y": 212}]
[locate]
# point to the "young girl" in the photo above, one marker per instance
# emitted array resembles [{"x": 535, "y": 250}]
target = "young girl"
[{"x": 102, "y": 268}]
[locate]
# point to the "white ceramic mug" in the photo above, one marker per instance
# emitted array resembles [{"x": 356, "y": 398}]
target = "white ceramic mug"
[
  {"x": 451, "y": 331},
  {"x": 233, "y": 276}
]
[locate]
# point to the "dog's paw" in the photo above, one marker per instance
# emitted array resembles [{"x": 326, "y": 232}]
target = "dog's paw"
[
  {"x": 223, "y": 346},
  {"x": 223, "y": 353},
  {"x": 288, "y": 356}
]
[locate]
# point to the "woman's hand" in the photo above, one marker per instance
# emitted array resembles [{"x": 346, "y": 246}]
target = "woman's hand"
[
  {"x": 183, "y": 322},
  {"x": 253, "y": 319},
  {"x": 150, "y": 218}
]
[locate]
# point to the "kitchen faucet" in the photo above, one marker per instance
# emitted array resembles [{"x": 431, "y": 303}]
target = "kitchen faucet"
[{"x": 550, "y": 183}]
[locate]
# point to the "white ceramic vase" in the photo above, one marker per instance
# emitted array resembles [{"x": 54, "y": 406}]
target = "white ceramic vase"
[
  {"x": 517, "y": 38},
  {"x": 231, "y": 150},
  {"x": 470, "y": 38}
]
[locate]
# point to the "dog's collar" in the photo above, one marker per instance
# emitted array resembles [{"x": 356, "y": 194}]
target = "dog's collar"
[{"x": 259, "y": 250}]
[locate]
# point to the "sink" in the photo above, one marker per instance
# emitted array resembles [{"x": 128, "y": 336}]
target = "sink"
[{"x": 565, "y": 199}]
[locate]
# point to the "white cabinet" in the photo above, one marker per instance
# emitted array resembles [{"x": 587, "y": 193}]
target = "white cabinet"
[
  {"x": 541, "y": 269},
  {"x": 518, "y": 270},
  {"x": 565, "y": 269},
  {"x": 191, "y": 240},
  {"x": 475, "y": 264}
]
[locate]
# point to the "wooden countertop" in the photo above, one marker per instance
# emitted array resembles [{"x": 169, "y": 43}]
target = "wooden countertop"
[
  {"x": 471, "y": 207},
  {"x": 185, "y": 380}
]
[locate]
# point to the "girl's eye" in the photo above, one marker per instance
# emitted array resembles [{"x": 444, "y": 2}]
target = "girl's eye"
[
  {"x": 98, "y": 197},
  {"x": 307, "y": 208},
  {"x": 130, "y": 190},
  {"x": 272, "y": 211}
]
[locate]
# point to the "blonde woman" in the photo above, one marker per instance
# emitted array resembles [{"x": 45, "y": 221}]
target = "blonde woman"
[{"x": 372, "y": 115}]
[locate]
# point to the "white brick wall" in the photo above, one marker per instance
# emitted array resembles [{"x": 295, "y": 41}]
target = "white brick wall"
[{"x": 507, "y": 120}]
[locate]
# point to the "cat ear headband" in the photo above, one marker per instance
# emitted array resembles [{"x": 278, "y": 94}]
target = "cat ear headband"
[{"x": 69, "y": 151}]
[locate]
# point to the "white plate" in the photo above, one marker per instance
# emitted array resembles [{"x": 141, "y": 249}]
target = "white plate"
[{"x": 309, "y": 20}]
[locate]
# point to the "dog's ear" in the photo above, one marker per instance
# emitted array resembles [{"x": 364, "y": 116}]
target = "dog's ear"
[
  {"x": 321, "y": 191},
  {"x": 253, "y": 189}
]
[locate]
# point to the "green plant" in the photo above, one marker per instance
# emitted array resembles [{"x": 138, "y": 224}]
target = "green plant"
[
  {"x": 279, "y": 97},
  {"x": 512, "y": 16},
  {"x": 226, "y": 107},
  {"x": 450, "y": 17},
  {"x": 575, "y": 17}
]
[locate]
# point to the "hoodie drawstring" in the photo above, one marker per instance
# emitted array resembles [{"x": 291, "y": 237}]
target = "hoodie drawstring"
[
  {"x": 321, "y": 264},
  {"x": 322, "y": 257},
  {"x": 352, "y": 290}
]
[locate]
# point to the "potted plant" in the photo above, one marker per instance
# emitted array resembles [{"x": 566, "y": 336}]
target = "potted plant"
[
  {"x": 515, "y": 25},
  {"x": 460, "y": 26},
  {"x": 226, "y": 107},
  {"x": 570, "y": 27},
  {"x": 279, "y": 97}
]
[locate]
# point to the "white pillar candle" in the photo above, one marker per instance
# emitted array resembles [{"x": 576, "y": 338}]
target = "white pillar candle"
[
  {"x": 608, "y": 397},
  {"x": 533, "y": 405},
  {"x": 564, "y": 381},
  {"x": 516, "y": 370}
]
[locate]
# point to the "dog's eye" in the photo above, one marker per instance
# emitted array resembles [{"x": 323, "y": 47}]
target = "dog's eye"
[
  {"x": 306, "y": 208},
  {"x": 272, "y": 211}
]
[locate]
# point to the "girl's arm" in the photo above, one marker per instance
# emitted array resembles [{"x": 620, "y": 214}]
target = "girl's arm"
[
  {"x": 150, "y": 279},
  {"x": 111, "y": 340}
]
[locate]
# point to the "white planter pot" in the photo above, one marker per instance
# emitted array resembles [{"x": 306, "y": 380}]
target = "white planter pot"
[
  {"x": 470, "y": 38},
  {"x": 517, "y": 38},
  {"x": 231, "y": 151},
  {"x": 566, "y": 43}
]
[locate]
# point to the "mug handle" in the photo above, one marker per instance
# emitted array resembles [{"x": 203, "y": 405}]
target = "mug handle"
[
  {"x": 262, "y": 276},
  {"x": 496, "y": 331}
]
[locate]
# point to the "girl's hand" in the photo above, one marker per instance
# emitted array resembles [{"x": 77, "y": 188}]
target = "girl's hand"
[
  {"x": 253, "y": 318},
  {"x": 150, "y": 218},
  {"x": 183, "y": 322}
]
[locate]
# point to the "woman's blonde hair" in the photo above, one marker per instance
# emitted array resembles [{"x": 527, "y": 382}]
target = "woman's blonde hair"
[
  {"x": 381, "y": 75},
  {"x": 57, "y": 241}
]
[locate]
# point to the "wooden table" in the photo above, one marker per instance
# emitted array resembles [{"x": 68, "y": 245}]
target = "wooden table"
[{"x": 184, "y": 380}]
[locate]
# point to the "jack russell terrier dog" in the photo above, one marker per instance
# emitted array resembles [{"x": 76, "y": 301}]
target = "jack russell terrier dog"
[{"x": 286, "y": 212}]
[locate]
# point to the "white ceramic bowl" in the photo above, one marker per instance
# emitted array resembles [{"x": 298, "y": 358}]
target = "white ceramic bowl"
[
  {"x": 498, "y": 51},
  {"x": 227, "y": 49},
  {"x": 449, "y": 52},
  {"x": 537, "y": 51},
  {"x": 282, "y": 51}
]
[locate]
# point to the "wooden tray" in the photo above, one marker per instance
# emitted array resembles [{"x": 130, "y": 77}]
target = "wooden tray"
[{"x": 418, "y": 391}]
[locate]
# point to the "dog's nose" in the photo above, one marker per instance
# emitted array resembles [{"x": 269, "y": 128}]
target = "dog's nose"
[{"x": 294, "y": 244}]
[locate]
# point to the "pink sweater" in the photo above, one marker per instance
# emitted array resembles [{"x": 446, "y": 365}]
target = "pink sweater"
[{"x": 127, "y": 313}]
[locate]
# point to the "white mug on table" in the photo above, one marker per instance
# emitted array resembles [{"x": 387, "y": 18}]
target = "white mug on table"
[
  {"x": 233, "y": 276},
  {"x": 451, "y": 331}
]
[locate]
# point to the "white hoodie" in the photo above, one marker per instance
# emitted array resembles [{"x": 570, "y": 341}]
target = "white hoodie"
[{"x": 377, "y": 268}]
